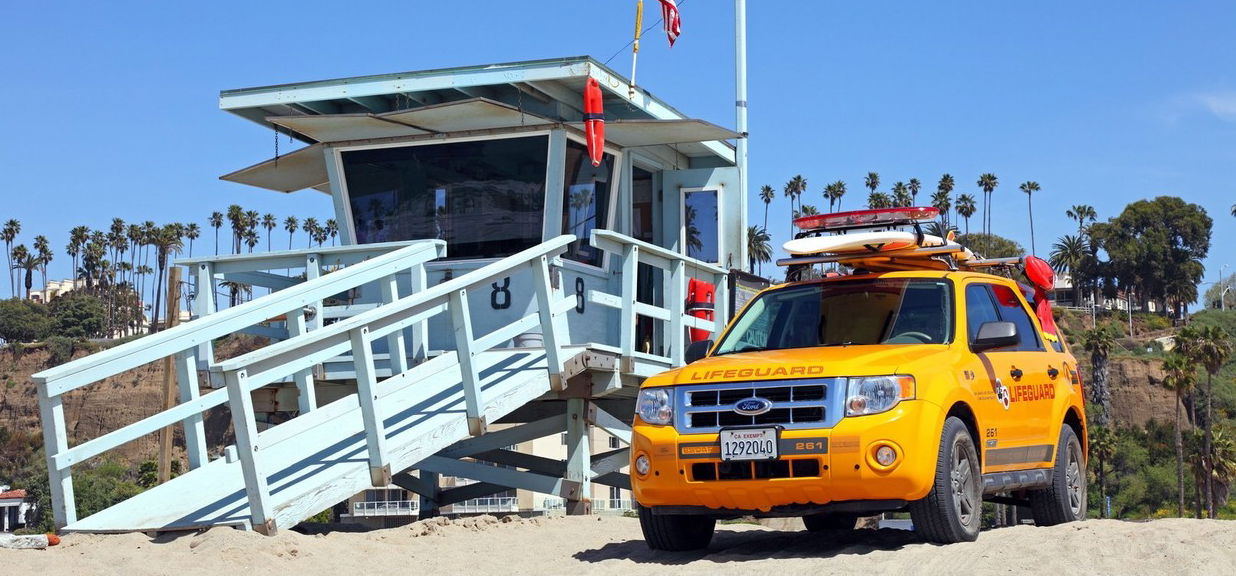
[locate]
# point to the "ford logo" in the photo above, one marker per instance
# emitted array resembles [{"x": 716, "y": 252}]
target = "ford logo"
[{"x": 753, "y": 406}]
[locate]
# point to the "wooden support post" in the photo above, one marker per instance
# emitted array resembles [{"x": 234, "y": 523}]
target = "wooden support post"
[
  {"x": 367, "y": 393},
  {"x": 627, "y": 323},
  {"x": 461, "y": 319},
  {"x": 306, "y": 394},
  {"x": 194, "y": 428},
  {"x": 554, "y": 331},
  {"x": 579, "y": 461},
  {"x": 721, "y": 305},
  {"x": 64, "y": 507},
  {"x": 429, "y": 502},
  {"x": 395, "y": 346},
  {"x": 676, "y": 296},
  {"x": 420, "y": 331},
  {"x": 169, "y": 375},
  {"x": 245, "y": 425}
]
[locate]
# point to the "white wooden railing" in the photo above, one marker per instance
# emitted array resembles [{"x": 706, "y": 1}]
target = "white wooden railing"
[{"x": 186, "y": 343}]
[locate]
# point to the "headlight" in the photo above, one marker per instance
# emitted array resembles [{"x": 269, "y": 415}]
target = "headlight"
[
  {"x": 656, "y": 405},
  {"x": 876, "y": 394}
]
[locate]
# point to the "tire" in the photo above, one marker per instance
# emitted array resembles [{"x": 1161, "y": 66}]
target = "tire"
[
  {"x": 1065, "y": 499},
  {"x": 675, "y": 532},
  {"x": 826, "y": 522},
  {"x": 953, "y": 510}
]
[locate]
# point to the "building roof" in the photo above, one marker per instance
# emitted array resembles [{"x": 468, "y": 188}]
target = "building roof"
[
  {"x": 432, "y": 103},
  {"x": 13, "y": 495}
]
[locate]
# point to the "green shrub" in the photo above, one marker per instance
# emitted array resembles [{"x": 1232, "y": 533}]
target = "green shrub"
[{"x": 59, "y": 349}]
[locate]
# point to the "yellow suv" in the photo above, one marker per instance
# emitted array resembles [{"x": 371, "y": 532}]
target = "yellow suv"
[{"x": 921, "y": 390}]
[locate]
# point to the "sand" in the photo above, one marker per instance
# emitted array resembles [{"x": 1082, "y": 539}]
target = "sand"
[{"x": 613, "y": 545}]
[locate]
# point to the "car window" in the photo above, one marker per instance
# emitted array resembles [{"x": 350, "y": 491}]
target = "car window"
[
  {"x": 1012, "y": 310},
  {"x": 979, "y": 309}
]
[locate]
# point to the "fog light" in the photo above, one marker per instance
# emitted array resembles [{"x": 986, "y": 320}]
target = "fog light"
[
  {"x": 642, "y": 466},
  {"x": 885, "y": 455}
]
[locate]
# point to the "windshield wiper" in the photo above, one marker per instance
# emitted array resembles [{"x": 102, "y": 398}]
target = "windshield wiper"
[{"x": 747, "y": 348}]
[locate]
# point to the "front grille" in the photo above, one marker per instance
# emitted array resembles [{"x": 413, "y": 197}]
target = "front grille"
[
  {"x": 761, "y": 470},
  {"x": 710, "y": 407}
]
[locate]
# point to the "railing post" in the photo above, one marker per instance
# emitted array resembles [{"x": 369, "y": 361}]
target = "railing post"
[
  {"x": 420, "y": 332},
  {"x": 313, "y": 269},
  {"x": 461, "y": 319},
  {"x": 245, "y": 425},
  {"x": 194, "y": 428},
  {"x": 64, "y": 506},
  {"x": 306, "y": 394},
  {"x": 554, "y": 330},
  {"x": 628, "y": 321},
  {"x": 367, "y": 393},
  {"x": 677, "y": 294},
  {"x": 204, "y": 305},
  {"x": 395, "y": 346}
]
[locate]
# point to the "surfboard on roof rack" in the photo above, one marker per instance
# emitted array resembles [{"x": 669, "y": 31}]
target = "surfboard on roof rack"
[{"x": 875, "y": 240}]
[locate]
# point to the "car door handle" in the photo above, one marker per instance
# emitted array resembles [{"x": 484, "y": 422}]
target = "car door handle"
[
  {"x": 1052, "y": 373},
  {"x": 1015, "y": 373}
]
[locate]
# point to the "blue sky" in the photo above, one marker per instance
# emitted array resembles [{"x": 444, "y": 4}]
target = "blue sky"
[{"x": 110, "y": 109}]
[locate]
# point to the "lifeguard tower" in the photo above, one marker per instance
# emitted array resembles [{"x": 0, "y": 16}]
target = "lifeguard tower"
[{"x": 493, "y": 287}]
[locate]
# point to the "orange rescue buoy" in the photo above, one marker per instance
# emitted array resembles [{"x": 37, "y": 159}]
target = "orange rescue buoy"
[
  {"x": 701, "y": 296},
  {"x": 594, "y": 121}
]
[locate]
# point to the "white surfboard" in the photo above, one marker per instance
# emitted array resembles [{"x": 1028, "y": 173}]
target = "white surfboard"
[{"x": 859, "y": 243}]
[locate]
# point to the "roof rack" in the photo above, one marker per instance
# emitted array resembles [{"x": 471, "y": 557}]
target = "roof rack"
[{"x": 951, "y": 256}]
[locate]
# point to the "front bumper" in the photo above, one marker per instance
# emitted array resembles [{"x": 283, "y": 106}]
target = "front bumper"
[{"x": 835, "y": 465}]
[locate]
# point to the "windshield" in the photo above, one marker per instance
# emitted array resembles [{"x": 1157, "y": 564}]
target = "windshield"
[{"x": 853, "y": 312}]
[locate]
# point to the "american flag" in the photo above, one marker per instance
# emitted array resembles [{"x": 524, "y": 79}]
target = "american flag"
[{"x": 673, "y": 24}]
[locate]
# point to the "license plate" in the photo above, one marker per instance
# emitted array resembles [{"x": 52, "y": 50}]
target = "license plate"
[{"x": 749, "y": 444}]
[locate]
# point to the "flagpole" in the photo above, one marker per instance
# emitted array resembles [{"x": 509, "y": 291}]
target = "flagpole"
[
  {"x": 639, "y": 25},
  {"x": 740, "y": 77}
]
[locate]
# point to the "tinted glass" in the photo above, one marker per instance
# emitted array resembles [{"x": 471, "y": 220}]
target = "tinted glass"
[
  {"x": 880, "y": 311},
  {"x": 1012, "y": 310},
  {"x": 700, "y": 212},
  {"x": 585, "y": 201},
  {"x": 485, "y": 198},
  {"x": 979, "y": 309}
]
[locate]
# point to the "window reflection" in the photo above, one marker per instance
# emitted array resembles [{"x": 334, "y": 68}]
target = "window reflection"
[
  {"x": 700, "y": 216},
  {"x": 585, "y": 201},
  {"x": 485, "y": 198}
]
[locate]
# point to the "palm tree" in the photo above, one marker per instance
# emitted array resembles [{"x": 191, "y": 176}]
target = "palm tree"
[
  {"x": 23, "y": 260},
  {"x": 872, "y": 181},
  {"x": 166, "y": 241},
  {"x": 311, "y": 229},
  {"x": 767, "y": 194},
  {"x": 332, "y": 227},
  {"x": 1102, "y": 448},
  {"x": 914, "y": 186},
  {"x": 1099, "y": 342},
  {"x": 940, "y": 201},
  {"x": 945, "y": 187},
  {"x": 43, "y": 252},
  {"x": 1070, "y": 253},
  {"x": 1178, "y": 378},
  {"x": 216, "y": 222},
  {"x": 1081, "y": 213},
  {"x": 966, "y": 208},
  {"x": 10, "y": 231},
  {"x": 834, "y": 192},
  {"x": 879, "y": 200},
  {"x": 1030, "y": 188},
  {"x": 759, "y": 247},
  {"x": 901, "y": 194},
  {"x": 290, "y": 224},
  {"x": 236, "y": 219},
  {"x": 77, "y": 241},
  {"x": 806, "y": 210},
  {"x": 988, "y": 183},
  {"x": 1212, "y": 350},
  {"x": 269, "y": 222},
  {"x": 793, "y": 190},
  {"x": 192, "y": 232}
]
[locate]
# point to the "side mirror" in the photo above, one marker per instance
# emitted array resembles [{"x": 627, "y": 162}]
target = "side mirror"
[
  {"x": 697, "y": 350},
  {"x": 995, "y": 335}
]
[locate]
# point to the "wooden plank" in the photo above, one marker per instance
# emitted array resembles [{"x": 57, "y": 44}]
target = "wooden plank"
[
  {"x": 194, "y": 426},
  {"x": 628, "y": 304},
  {"x": 461, "y": 319},
  {"x": 257, "y": 491},
  {"x": 554, "y": 331},
  {"x": 609, "y": 423},
  {"x": 503, "y": 476},
  {"x": 394, "y": 341},
  {"x": 611, "y": 461},
  {"x": 306, "y": 393},
  {"x": 578, "y": 460},
  {"x": 64, "y": 506}
]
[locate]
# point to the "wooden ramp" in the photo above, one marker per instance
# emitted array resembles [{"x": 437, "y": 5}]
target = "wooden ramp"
[{"x": 320, "y": 458}]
